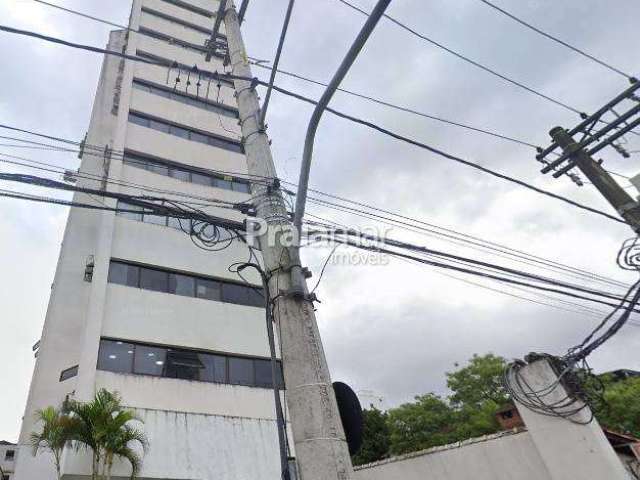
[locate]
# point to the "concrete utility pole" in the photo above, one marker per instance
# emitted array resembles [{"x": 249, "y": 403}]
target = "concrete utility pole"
[
  {"x": 624, "y": 204},
  {"x": 569, "y": 450},
  {"x": 320, "y": 444}
]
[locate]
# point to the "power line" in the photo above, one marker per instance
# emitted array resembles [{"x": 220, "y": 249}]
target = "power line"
[
  {"x": 473, "y": 272},
  {"x": 478, "y": 264},
  {"x": 90, "y": 17},
  {"x": 368, "y": 124},
  {"x": 557, "y": 40},
  {"x": 449, "y": 233},
  {"x": 467, "y": 59},
  {"x": 260, "y": 64},
  {"x": 525, "y": 259},
  {"x": 300, "y": 77},
  {"x": 402, "y": 108},
  {"x": 164, "y": 209}
]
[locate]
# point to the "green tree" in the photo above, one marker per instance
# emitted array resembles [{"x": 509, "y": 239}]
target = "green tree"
[
  {"x": 425, "y": 423},
  {"x": 621, "y": 408},
  {"x": 54, "y": 435},
  {"x": 375, "y": 437},
  {"x": 479, "y": 382},
  {"x": 103, "y": 426}
]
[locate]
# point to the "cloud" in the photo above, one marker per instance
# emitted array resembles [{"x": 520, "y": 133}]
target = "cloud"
[{"x": 393, "y": 329}]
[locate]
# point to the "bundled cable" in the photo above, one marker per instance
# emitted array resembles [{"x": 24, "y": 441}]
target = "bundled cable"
[{"x": 583, "y": 389}]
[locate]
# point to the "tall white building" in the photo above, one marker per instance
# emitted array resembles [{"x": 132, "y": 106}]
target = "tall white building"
[{"x": 135, "y": 306}]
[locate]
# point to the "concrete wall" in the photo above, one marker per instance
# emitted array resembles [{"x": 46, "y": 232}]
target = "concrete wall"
[
  {"x": 7, "y": 464},
  {"x": 197, "y": 430},
  {"x": 202, "y": 447},
  {"x": 503, "y": 456}
]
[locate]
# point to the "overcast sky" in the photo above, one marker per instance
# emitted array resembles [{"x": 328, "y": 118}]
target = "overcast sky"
[{"x": 392, "y": 329}]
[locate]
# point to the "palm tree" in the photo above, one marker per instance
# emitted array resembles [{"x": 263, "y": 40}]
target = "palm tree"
[
  {"x": 55, "y": 433},
  {"x": 103, "y": 426},
  {"x": 119, "y": 440}
]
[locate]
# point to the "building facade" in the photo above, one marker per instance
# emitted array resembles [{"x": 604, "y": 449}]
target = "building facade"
[
  {"x": 136, "y": 307},
  {"x": 7, "y": 459}
]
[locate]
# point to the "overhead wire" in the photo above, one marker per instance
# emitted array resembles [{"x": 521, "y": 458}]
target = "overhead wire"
[
  {"x": 366, "y": 123},
  {"x": 558, "y": 40},
  {"x": 451, "y": 234}
]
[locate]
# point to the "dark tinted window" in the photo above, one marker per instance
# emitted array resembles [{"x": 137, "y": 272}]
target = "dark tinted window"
[
  {"x": 263, "y": 373},
  {"x": 255, "y": 297},
  {"x": 241, "y": 187},
  {"x": 180, "y": 174},
  {"x": 180, "y": 132},
  {"x": 155, "y": 219},
  {"x": 130, "y": 215},
  {"x": 149, "y": 360},
  {"x": 201, "y": 179},
  {"x": 175, "y": 283},
  {"x": 183, "y": 364},
  {"x": 123, "y": 357},
  {"x": 209, "y": 289},
  {"x": 116, "y": 356},
  {"x": 139, "y": 120},
  {"x": 158, "y": 168},
  {"x": 123, "y": 274},
  {"x": 215, "y": 368},
  {"x": 155, "y": 280},
  {"x": 233, "y": 293},
  {"x": 69, "y": 373},
  {"x": 240, "y": 371},
  {"x": 179, "y": 224},
  {"x": 186, "y": 174},
  {"x": 182, "y": 285}
]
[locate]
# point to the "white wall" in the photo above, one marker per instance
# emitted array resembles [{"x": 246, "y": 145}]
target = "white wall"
[
  {"x": 504, "y": 456},
  {"x": 142, "y": 315},
  {"x": 202, "y": 447},
  {"x": 8, "y": 466}
]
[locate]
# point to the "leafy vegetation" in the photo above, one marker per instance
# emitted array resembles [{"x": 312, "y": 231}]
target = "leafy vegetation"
[
  {"x": 469, "y": 411},
  {"x": 102, "y": 426}
]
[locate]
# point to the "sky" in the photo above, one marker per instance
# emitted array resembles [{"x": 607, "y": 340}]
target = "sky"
[{"x": 391, "y": 329}]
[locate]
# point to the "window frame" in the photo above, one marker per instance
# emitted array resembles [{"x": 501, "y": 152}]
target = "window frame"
[{"x": 203, "y": 357}]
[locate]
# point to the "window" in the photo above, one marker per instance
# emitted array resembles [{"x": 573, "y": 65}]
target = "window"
[
  {"x": 182, "y": 363},
  {"x": 215, "y": 368},
  {"x": 182, "y": 224},
  {"x": 182, "y": 285},
  {"x": 180, "y": 174},
  {"x": 124, "y": 274},
  {"x": 116, "y": 356},
  {"x": 69, "y": 373},
  {"x": 263, "y": 373},
  {"x": 159, "y": 280},
  {"x": 191, "y": 8},
  {"x": 178, "y": 21},
  {"x": 149, "y": 360},
  {"x": 201, "y": 179},
  {"x": 208, "y": 289},
  {"x": 241, "y": 371},
  {"x": 172, "y": 40},
  {"x": 185, "y": 98},
  {"x": 155, "y": 219},
  {"x": 186, "y": 133},
  {"x": 130, "y": 215},
  {"x": 184, "y": 66},
  {"x": 155, "y": 280},
  {"x": 10, "y": 455}
]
